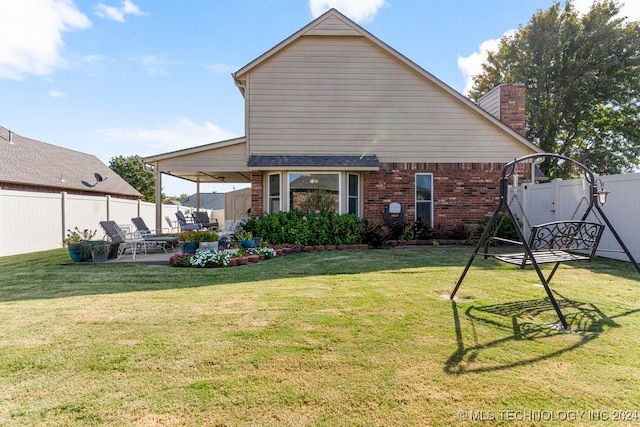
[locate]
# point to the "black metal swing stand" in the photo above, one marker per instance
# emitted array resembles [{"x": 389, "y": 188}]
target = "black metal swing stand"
[{"x": 554, "y": 242}]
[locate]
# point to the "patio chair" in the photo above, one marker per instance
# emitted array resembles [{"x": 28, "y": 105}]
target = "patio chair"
[
  {"x": 126, "y": 241},
  {"x": 156, "y": 239},
  {"x": 203, "y": 219},
  {"x": 174, "y": 227},
  {"x": 230, "y": 227},
  {"x": 184, "y": 224}
]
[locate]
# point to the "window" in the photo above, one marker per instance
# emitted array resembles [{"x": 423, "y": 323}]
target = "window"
[
  {"x": 353, "y": 194},
  {"x": 314, "y": 191},
  {"x": 274, "y": 193},
  {"x": 424, "y": 198}
]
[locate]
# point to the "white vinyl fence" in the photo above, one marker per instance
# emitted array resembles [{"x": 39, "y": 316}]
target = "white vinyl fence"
[
  {"x": 563, "y": 200},
  {"x": 31, "y": 221}
]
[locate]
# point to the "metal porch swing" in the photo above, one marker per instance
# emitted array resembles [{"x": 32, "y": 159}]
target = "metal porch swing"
[{"x": 554, "y": 242}]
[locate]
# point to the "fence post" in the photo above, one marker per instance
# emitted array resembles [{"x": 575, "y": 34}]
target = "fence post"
[
  {"x": 108, "y": 200},
  {"x": 63, "y": 206}
]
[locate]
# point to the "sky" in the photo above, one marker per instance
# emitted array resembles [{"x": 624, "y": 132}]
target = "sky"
[{"x": 145, "y": 77}]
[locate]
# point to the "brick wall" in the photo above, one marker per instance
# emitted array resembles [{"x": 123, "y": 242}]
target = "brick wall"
[
  {"x": 256, "y": 193},
  {"x": 43, "y": 189},
  {"x": 463, "y": 193},
  {"x": 512, "y": 107}
]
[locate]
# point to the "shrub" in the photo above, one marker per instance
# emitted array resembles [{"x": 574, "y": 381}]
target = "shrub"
[
  {"x": 299, "y": 228},
  {"x": 180, "y": 260},
  {"x": 502, "y": 227}
]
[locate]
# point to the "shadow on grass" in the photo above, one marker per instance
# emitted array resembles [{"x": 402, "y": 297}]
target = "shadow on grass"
[
  {"x": 42, "y": 275},
  {"x": 586, "y": 321}
]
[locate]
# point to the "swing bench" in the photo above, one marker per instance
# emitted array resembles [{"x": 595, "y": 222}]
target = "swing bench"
[{"x": 550, "y": 243}]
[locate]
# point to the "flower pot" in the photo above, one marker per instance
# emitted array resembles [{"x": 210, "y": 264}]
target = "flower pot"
[
  {"x": 248, "y": 244},
  {"x": 77, "y": 252},
  {"x": 208, "y": 246},
  {"x": 190, "y": 247},
  {"x": 100, "y": 251}
]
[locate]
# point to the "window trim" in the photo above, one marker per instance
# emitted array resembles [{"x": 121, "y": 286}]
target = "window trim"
[{"x": 431, "y": 221}]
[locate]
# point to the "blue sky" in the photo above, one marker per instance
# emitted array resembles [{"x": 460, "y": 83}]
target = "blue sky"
[{"x": 124, "y": 77}]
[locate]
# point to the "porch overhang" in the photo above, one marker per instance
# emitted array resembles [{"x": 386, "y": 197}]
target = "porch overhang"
[{"x": 219, "y": 162}]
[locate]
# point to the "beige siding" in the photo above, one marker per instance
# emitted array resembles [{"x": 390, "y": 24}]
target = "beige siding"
[
  {"x": 226, "y": 159},
  {"x": 343, "y": 95},
  {"x": 491, "y": 102}
]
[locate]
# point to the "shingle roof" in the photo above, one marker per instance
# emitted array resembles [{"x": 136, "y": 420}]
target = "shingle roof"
[
  {"x": 333, "y": 161},
  {"x": 207, "y": 201},
  {"x": 26, "y": 161}
]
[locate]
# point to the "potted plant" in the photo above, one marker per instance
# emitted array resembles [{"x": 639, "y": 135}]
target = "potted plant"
[
  {"x": 76, "y": 242},
  {"x": 245, "y": 238},
  {"x": 208, "y": 240},
  {"x": 99, "y": 250}
]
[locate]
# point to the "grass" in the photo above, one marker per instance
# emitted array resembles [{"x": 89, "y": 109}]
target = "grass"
[{"x": 328, "y": 339}]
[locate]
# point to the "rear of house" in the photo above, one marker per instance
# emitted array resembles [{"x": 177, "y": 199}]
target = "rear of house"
[{"x": 335, "y": 109}]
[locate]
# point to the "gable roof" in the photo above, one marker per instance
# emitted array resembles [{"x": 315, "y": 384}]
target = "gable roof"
[
  {"x": 25, "y": 161},
  {"x": 334, "y": 23}
]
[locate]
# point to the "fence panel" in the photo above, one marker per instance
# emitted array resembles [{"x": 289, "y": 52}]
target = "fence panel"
[
  {"x": 568, "y": 199},
  {"x": 32, "y": 221}
]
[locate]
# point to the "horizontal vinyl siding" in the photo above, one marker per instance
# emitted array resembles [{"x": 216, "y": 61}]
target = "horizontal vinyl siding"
[
  {"x": 226, "y": 159},
  {"x": 343, "y": 95}
]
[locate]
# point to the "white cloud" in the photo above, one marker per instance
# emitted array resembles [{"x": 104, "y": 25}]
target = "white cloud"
[
  {"x": 220, "y": 68},
  {"x": 184, "y": 133},
  {"x": 117, "y": 13},
  {"x": 631, "y": 8},
  {"x": 472, "y": 65},
  {"x": 57, "y": 94},
  {"x": 31, "y": 35},
  {"x": 359, "y": 11}
]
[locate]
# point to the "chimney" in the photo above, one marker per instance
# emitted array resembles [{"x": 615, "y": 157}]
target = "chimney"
[{"x": 506, "y": 103}]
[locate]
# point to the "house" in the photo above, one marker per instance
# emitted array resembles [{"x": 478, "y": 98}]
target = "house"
[
  {"x": 30, "y": 165},
  {"x": 210, "y": 201},
  {"x": 335, "y": 106}
]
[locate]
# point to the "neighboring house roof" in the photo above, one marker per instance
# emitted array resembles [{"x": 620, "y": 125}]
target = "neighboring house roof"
[
  {"x": 207, "y": 201},
  {"x": 317, "y": 181},
  {"x": 31, "y": 163}
]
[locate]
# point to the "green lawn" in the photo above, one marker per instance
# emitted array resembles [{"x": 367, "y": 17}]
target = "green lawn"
[{"x": 336, "y": 338}]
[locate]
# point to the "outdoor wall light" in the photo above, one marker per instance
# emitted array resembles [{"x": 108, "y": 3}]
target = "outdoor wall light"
[{"x": 602, "y": 193}]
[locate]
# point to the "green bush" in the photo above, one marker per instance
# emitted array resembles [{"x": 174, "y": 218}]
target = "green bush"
[
  {"x": 297, "y": 227},
  {"x": 502, "y": 227}
]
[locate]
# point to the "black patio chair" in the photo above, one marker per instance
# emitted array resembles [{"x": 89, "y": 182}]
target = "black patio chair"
[
  {"x": 203, "y": 219},
  {"x": 184, "y": 224}
]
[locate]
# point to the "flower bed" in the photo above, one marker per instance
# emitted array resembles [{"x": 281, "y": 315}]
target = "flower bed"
[{"x": 211, "y": 258}]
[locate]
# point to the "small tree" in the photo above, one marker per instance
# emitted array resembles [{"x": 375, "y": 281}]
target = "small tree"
[{"x": 139, "y": 176}]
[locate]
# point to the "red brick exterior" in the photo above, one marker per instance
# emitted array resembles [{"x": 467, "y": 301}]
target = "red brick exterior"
[
  {"x": 463, "y": 193},
  {"x": 43, "y": 189},
  {"x": 512, "y": 107}
]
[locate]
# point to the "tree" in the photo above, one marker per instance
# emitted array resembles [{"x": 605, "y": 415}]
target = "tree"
[
  {"x": 140, "y": 177},
  {"x": 583, "y": 92}
]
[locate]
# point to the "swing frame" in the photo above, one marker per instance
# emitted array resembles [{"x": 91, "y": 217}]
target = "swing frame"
[{"x": 560, "y": 238}]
